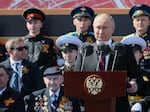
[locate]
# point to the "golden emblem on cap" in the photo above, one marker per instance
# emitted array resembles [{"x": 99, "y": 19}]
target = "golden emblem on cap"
[
  {"x": 94, "y": 84},
  {"x": 83, "y": 9},
  {"x": 139, "y": 12},
  {"x": 66, "y": 44}
]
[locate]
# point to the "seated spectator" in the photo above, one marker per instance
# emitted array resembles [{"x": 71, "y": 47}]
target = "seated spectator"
[
  {"x": 25, "y": 77},
  {"x": 10, "y": 100},
  {"x": 52, "y": 99}
]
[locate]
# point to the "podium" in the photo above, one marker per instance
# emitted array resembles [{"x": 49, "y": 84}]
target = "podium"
[{"x": 98, "y": 90}]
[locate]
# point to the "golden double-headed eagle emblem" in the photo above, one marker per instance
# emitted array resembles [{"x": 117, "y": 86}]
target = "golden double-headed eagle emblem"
[{"x": 94, "y": 84}]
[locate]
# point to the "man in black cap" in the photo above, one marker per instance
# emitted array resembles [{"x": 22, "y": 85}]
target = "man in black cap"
[
  {"x": 41, "y": 48},
  {"x": 52, "y": 99},
  {"x": 140, "y": 15},
  {"x": 82, "y": 20}
]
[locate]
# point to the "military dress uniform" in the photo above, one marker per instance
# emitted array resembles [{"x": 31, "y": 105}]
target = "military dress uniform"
[
  {"x": 83, "y": 11},
  {"x": 136, "y": 11},
  {"x": 41, "y": 48}
]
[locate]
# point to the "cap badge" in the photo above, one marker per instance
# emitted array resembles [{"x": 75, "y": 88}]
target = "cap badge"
[
  {"x": 83, "y": 9},
  {"x": 66, "y": 44},
  {"x": 139, "y": 12}
]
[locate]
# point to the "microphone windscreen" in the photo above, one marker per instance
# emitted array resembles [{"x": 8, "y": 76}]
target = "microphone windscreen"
[
  {"x": 104, "y": 48},
  {"x": 118, "y": 46},
  {"x": 87, "y": 48}
]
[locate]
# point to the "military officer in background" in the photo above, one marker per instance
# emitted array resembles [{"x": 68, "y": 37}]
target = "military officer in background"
[
  {"x": 51, "y": 98},
  {"x": 82, "y": 20},
  {"x": 140, "y": 15},
  {"x": 41, "y": 48},
  {"x": 69, "y": 48}
]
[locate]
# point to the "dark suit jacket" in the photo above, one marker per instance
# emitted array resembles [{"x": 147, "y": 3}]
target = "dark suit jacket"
[
  {"x": 45, "y": 92},
  {"x": 31, "y": 76},
  {"x": 124, "y": 62},
  {"x": 11, "y": 101}
]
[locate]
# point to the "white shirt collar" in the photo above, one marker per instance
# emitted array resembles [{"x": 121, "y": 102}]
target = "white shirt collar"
[
  {"x": 109, "y": 42},
  {"x": 12, "y": 61},
  {"x": 57, "y": 92}
]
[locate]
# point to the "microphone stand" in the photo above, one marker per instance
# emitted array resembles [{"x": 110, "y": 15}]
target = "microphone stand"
[
  {"x": 84, "y": 55},
  {"x": 97, "y": 67},
  {"x": 116, "y": 52}
]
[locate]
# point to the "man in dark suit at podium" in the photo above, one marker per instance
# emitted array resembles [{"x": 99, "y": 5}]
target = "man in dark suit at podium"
[{"x": 104, "y": 27}]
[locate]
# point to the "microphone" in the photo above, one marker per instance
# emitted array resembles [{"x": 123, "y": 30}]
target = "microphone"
[
  {"x": 86, "y": 50},
  {"x": 118, "y": 50},
  {"x": 103, "y": 50},
  {"x": 119, "y": 47}
]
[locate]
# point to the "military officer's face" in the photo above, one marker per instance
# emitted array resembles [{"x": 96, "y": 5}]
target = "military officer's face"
[
  {"x": 141, "y": 24},
  {"x": 70, "y": 56},
  {"x": 3, "y": 78},
  {"x": 53, "y": 82},
  {"x": 103, "y": 27},
  {"x": 82, "y": 24},
  {"x": 34, "y": 27},
  {"x": 18, "y": 51}
]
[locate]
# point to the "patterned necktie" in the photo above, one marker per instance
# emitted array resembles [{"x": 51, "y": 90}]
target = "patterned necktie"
[
  {"x": 54, "y": 102},
  {"x": 102, "y": 63},
  {"x": 16, "y": 77}
]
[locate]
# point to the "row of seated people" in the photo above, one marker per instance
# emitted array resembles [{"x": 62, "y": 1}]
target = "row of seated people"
[{"x": 35, "y": 52}]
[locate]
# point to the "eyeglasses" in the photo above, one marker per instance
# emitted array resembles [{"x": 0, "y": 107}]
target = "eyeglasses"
[{"x": 20, "y": 48}]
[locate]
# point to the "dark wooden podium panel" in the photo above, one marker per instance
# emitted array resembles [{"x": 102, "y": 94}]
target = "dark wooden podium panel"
[{"x": 113, "y": 84}]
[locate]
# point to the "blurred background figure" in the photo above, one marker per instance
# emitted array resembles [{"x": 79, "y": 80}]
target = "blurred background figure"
[{"x": 10, "y": 100}]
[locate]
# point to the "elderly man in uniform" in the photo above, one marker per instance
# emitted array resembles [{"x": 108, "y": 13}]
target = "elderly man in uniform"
[
  {"x": 41, "y": 48},
  {"x": 69, "y": 49},
  {"x": 82, "y": 20},
  {"x": 140, "y": 15},
  {"x": 51, "y": 98}
]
